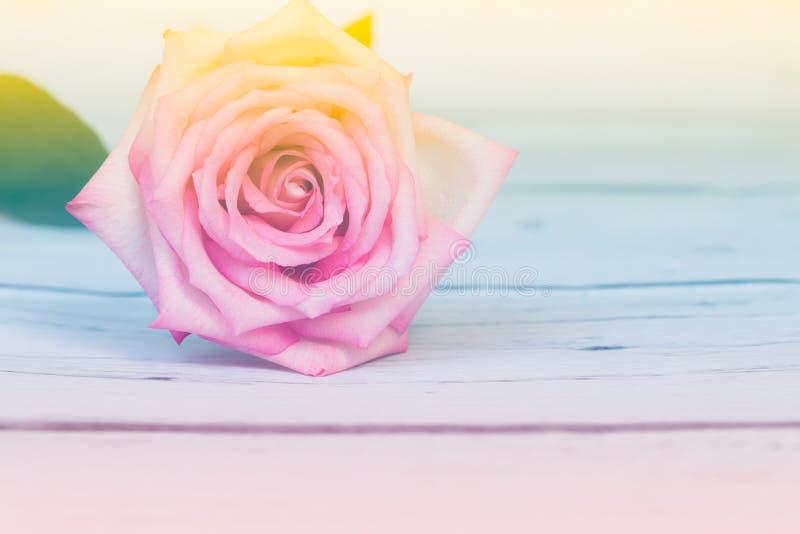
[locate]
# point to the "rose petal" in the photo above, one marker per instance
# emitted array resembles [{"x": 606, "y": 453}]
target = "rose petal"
[
  {"x": 320, "y": 358},
  {"x": 299, "y": 35},
  {"x": 187, "y": 309},
  {"x": 110, "y": 205},
  {"x": 365, "y": 320},
  {"x": 189, "y": 55},
  {"x": 460, "y": 171}
]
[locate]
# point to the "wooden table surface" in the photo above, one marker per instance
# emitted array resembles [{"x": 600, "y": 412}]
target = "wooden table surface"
[{"x": 647, "y": 378}]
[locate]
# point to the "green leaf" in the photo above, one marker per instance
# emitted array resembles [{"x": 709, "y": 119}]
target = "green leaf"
[
  {"x": 47, "y": 154},
  {"x": 361, "y": 30}
]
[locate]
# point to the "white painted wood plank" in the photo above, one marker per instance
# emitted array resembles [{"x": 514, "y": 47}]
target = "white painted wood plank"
[
  {"x": 741, "y": 482},
  {"x": 651, "y": 354}
]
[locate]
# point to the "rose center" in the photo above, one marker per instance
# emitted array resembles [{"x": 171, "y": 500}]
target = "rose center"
[
  {"x": 297, "y": 187},
  {"x": 284, "y": 190}
]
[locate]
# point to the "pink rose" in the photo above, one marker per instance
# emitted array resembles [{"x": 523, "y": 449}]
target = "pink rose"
[{"x": 274, "y": 193}]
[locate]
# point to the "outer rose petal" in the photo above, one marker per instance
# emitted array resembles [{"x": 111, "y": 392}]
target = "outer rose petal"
[
  {"x": 110, "y": 205},
  {"x": 189, "y": 55},
  {"x": 299, "y": 35},
  {"x": 187, "y": 309},
  {"x": 319, "y": 358},
  {"x": 460, "y": 171},
  {"x": 363, "y": 322}
]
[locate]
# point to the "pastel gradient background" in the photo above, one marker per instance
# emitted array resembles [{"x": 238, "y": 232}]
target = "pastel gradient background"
[{"x": 731, "y": 60}]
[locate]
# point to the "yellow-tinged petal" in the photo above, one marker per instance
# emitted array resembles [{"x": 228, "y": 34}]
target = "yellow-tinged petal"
[
  {"x": 361, "y": 30},
  {"x": 188, "y": 55},
  {"x": 298, "y": 35},
  {"x": 460, "y": 171}
]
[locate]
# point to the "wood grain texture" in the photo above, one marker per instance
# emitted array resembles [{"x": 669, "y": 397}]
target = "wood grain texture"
[{"x": 598, "y": 356}]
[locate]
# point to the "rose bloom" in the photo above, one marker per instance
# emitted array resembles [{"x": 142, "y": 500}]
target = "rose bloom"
[{"x": 274, "y": 193}]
